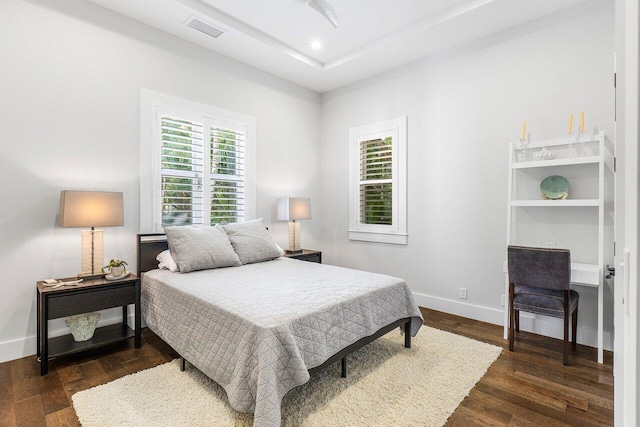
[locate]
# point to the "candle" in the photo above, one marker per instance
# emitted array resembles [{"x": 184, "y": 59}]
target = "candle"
[
  {"x": 581, "y": 121},
  {"x": 570, "y": 123},
  {"x": 524, "y": 129}
]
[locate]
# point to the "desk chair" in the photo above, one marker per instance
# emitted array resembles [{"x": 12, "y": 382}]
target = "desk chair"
[{"x": 539, "y": 281}]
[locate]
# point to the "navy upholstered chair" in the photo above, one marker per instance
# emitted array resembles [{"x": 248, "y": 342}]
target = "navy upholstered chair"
[{"x": 539, "y": 281}]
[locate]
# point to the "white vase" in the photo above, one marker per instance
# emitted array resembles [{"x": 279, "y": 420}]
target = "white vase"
[
  {"x": 83, "y": 325},
  {"x": 117, "y": 271}
]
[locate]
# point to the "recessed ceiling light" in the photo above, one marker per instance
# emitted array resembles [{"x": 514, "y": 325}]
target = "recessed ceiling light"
[{"x": 316, "y": 44}]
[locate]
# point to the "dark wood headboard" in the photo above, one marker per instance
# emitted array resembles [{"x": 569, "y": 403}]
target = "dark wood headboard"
[{"x": 148, "y": 247}]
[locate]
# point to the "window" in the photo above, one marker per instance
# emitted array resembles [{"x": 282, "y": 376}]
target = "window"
[
  {"x": 181, "y": 171},
  {"x": 199, "y": 164},
  {"x": 198, "y": 188},
  {"x": 378, "y": 182}
]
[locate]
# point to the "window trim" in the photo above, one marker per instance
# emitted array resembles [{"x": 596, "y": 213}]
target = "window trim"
[
  {"x": 396, "y": 233},
  {"x": 150, "y": 197}
]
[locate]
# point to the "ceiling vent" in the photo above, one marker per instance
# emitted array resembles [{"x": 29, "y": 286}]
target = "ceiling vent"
[{"x": 203, "y": 27}]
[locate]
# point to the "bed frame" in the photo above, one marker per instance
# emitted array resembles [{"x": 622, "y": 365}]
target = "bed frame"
[{"x": 149, "y": 245}]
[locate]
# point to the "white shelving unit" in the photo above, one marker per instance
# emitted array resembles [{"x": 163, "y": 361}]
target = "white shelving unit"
[{"x": 582, "y": 223}]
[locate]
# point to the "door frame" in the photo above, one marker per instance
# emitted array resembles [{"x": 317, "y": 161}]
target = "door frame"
[{"x": 625, "y": 370}]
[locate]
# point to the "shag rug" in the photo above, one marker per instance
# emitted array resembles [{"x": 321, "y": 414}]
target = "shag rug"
[{"x": 386, "y": 385}]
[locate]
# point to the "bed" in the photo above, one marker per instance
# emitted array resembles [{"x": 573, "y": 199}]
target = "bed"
[{"x": 261, "y": 329}]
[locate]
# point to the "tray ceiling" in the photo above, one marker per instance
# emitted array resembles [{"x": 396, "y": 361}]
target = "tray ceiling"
[{"x": 372, "y": 35}]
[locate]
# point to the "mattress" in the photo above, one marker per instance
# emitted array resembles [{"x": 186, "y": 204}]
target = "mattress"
[{"x": 258, "y": 328}]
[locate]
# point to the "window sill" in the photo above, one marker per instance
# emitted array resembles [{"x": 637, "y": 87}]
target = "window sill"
[{"x": 366, "y": 236}]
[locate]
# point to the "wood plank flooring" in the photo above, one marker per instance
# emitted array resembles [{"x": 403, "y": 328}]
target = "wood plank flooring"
[{"x": 529, "y": 387}]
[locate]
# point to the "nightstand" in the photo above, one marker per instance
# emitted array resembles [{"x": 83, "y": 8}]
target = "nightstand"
[
  {"x": 306, "y": 255},
  {"x": 90, "y": 295}
]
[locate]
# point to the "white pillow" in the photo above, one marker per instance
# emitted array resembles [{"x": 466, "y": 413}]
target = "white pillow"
[
  {"x": 252, "y": 242},
  {"x": 200, "y": 248},
  {"x": 167, "y": 262}
]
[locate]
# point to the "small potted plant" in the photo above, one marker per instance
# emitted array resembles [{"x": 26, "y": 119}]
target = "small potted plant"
[{"x": 116, "y": 267}]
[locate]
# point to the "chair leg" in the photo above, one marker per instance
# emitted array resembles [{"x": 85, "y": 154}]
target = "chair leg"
[
  {"x": 511, "y": 317},
  {"x": 517, "y": 320},
  {"x": 574, "y": 327}
]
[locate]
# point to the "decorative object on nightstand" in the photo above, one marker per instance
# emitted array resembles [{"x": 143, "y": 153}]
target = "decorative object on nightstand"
[
  {"x": 91, "y": 209},
  {"x": 116, "y": 270},
  {"x": 292, "y": 209},
  {"x": 83, "y": 325}
]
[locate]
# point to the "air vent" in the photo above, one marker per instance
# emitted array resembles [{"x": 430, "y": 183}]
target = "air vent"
[{"x": 203, "y": 27}]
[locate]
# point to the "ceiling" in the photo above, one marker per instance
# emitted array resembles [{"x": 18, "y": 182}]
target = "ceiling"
[{"x": 372, "y": 35}]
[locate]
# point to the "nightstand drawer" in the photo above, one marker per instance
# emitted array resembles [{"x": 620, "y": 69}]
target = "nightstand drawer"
[
  {"x": 306, "y": 255},
  {"x": 85, "y": 301},
  {"x": 309, "y": 258}
]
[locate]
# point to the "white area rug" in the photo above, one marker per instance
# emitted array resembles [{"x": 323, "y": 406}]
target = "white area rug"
[{"x": 386, "y": 385}]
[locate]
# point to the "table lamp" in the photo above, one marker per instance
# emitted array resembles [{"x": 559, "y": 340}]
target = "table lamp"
[
  {"x": 292, "y": 209},
  {"x": 91, "y": 209}
]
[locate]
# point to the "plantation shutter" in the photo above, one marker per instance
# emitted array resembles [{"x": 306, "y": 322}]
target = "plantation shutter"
[
  {"x": 202, "y": 164},
  {"x": 181, "y": 171},
  {"x": 227, "y": 175},
  {"x": 376, "y": 181}
]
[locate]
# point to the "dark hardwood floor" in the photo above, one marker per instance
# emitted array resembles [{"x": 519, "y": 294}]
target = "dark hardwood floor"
[{"x": 529, "y": 387}]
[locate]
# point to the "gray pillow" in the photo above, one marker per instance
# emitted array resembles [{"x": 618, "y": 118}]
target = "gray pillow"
[
  {"x": 252, "y": 242},
  {"x": 200, "y": 248}
]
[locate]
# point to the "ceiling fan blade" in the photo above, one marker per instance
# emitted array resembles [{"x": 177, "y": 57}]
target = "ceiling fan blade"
[{"x": 325, "y": 10}]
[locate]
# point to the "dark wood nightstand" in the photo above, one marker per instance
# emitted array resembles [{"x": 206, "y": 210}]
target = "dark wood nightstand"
[
  {"x": 306, "y": 255},
  {"x": 90, "y": 295}
]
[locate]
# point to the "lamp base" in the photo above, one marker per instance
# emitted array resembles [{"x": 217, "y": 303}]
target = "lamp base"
[
  {"x": 294, "y": 238},
  {"x": 92, "y": 254},
  {"x": 299, "y": 251}
]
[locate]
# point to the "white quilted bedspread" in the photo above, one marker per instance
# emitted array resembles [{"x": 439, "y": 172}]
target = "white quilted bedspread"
[{"x": 257, "y": 329}]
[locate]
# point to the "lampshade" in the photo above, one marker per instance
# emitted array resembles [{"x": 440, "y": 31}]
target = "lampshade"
[
  {"x": 91, "y": 209},
  {"x": 294, "y": 208}
]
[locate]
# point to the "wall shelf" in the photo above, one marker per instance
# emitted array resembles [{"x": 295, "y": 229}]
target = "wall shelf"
[
  {"x": 586, "y": 229},
  {"x": 557, "y": 203},
  {"x": 557, "y": 162}
]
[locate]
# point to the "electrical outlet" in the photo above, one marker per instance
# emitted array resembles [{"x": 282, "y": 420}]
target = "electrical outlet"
[
  {"x": 551, "y": 245},
  {"x": 463, "y": 293},
  {"x": 502, "y": 300}
]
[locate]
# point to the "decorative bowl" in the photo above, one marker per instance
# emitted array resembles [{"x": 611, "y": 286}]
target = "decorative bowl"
[
  {"x": 83, "y": 325},
  {"x": 554, "y": 187}
]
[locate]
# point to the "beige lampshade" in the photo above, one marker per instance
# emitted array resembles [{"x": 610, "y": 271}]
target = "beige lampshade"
[
  {"x": 294, "y": 208},
  {"x": 91, "y": 209}
]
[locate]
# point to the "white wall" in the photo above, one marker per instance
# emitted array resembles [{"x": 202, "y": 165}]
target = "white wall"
[
  {"x": 463, "y": 109},
  {"x": 70, "y": 79}
]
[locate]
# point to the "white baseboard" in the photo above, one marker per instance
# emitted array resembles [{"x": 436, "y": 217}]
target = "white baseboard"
[
  {"x": 16, "y": 349},
  {"x": 471, "y": 311},
  {"x": 542, "y": 325}
]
